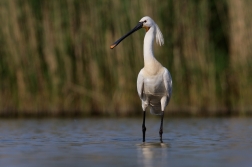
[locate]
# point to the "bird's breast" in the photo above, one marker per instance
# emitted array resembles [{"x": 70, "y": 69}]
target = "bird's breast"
[{"x": 154, "y": 85}]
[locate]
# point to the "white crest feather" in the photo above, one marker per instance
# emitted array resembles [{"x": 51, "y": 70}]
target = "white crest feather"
[{"x": 159, "y": 36}]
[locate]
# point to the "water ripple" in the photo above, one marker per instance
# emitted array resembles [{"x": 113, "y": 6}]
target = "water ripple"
[{"x": 117, "y": 142}]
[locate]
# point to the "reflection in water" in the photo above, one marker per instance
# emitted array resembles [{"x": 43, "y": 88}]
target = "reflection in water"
[
  {"x": 113, "y": 142},
  {"x": 152, "y": 154}
]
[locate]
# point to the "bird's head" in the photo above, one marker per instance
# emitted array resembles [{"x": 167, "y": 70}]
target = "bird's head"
[{"x": 147, "y": 22}]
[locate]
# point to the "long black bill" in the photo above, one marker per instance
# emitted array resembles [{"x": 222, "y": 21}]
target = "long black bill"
[{"x": 139, "y": 26}]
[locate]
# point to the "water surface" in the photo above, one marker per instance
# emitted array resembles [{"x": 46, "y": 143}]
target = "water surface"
[{"x": 117, "y": 142}]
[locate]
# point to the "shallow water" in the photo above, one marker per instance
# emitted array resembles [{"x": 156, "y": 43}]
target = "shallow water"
[{"x": 117, "y": 142}]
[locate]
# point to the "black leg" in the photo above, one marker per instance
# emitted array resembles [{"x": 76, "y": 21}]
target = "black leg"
[
  {"x": 143, "y": 127},
  {"x": 161, "y": 127}
]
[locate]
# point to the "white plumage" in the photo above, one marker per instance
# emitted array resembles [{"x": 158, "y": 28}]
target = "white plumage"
[{"x": 154, "y": 82}]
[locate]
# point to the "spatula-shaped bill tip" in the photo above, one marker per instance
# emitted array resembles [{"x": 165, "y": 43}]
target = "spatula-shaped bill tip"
[{"x": 112, "y": 46}]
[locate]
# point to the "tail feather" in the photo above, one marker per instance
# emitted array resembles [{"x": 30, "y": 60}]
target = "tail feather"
[{"x": 156, "y": 110}]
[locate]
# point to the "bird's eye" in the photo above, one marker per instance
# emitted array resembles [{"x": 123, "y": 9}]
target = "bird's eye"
[{"x": 145, "y": 21}]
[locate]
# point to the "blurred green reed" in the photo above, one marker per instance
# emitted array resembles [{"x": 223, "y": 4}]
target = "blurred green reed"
[{"x": 56, "y": 60}]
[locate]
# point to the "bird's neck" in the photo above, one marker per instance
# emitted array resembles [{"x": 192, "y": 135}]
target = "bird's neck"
[
  {"x": 148, "y": 45},
  {"x": 150, "y": 62}
]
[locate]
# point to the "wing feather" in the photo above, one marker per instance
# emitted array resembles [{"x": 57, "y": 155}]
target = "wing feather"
[
  {"x": 140, "y": 84},
  {"x": 167, "y": 82}
]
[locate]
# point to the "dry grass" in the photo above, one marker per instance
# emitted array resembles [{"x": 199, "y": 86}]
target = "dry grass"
[{"x": 55, "y": 56}]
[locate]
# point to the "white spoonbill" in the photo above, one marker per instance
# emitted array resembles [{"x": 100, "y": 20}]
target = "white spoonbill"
[{"x": 154, "y": 82}]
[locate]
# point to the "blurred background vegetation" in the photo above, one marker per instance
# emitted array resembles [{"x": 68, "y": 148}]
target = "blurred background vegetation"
[{"x": 55, "y": 57}]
